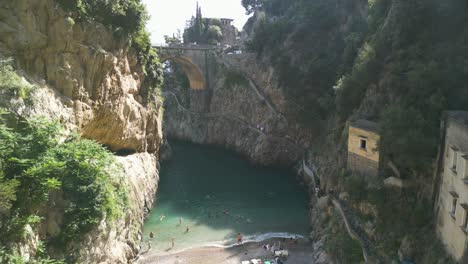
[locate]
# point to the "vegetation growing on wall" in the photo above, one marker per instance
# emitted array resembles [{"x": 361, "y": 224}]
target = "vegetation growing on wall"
[
  {"x": 416, "y": 48},
  {"x": 127, "y": 18},
  {"x": 412, "y": 222},
  {"x": 41, "y": 257},
  {"x": 410, "y": 53},
  {"x": 233, "y": 78},
  {"x": 350, "y": 249},
  {"x": 400, "y": 63},
  {"x": 306, "y": 44},
  {"x": 35, "y": 164},
  {"x": 40, "y": 165},
  {"x": 12, "y": 84}
]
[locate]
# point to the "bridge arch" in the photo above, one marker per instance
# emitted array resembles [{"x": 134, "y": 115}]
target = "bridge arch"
[{"x": 193, "y": 72}]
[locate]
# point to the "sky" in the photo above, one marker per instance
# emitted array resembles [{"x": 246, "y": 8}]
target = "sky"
[{"x": 169, "y": 15}]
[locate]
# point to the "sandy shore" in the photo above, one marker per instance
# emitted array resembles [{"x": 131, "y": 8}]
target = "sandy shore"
[{"x": 300, "y": 253}]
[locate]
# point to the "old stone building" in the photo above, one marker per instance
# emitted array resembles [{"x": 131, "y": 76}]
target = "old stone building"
[
  {"x": 452, "y": 201},
  {"x": 230, "y": 32},
  {"x": 363, "y": 155}
]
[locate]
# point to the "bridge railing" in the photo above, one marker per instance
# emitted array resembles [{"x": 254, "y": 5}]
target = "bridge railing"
[{"x": 186, "y": 46}]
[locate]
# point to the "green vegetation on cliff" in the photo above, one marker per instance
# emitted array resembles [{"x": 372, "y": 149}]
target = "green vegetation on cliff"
[
  {"x": 332, "y": 56},
  {"x": 350, "y": 249},
  {"x": 11, "y": 83},
  {"x": 400, "y": 63},
  {"x": 38, "y": 166},
  {"x": 127, "y": 18},
  {"x": 309, "y": 49},
  {"x": 43, "y": 170},
  {"x": 415, "y": 56}
]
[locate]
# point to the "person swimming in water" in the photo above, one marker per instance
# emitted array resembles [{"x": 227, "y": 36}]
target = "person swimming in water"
[
  {"x": 180, "y": 221},
  {"x": 162, "y": 217}
]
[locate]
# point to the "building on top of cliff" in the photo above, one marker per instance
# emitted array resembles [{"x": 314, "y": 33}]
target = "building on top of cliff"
[
  {"x": 363, "y": 154},
  {"x": 226, "y": 21},
  {"x": 229, "y": 31},
  {"x": 451, "y": 199}
]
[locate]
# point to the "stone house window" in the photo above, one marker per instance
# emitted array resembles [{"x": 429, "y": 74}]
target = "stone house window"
[
  {"x": 363, "y": 143},
  {"x": 453, "y": 209},
  {"x": 464, "y": 225}
]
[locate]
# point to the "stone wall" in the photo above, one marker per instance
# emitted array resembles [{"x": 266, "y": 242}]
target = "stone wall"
[
  {"x": 363, "y": 160},
  {"x": 362, "y": 165},
  {"x": 454, "y": 185}
]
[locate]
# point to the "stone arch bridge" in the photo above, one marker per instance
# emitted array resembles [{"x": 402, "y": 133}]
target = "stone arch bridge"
[{"x": 193, "y": 59}]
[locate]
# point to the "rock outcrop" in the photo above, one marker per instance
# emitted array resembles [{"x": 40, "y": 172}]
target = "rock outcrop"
[
  {"x": 98, "y": 73},
  {"x": 118, "y": 242},
  {"x": 239, "y": 118},
  {"x": 91, "y": 82}
]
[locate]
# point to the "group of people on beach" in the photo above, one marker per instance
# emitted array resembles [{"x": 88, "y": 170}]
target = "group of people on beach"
[
  {"x": 161, "y": 218},
  {"x": 187, "y": 230}
]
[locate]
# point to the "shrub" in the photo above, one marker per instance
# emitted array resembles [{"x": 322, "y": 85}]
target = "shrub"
[
  {"x": 356, "y": 185},
  {"x": 127, "y": 15},
  {"x": 7, "y": 193},
  {"x": 12, "y": 83},
  {"x": 90, "y": 182},
  {"x": 340, "y": 245},
  {"x": 233, "y": 78},
  {"x": 408, "y": 137},
  {"x": 36, "y": 163},
  {"x": 128, "y": 18}
]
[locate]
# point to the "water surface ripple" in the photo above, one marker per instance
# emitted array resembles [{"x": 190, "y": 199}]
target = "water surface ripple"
[{"x": 217, "y": 194}]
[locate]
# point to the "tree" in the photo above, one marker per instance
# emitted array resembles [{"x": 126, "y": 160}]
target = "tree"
[
  {"x": 214, "y": 34},
  {"x": 198, "y": 27},
  {"x": 252, "y": 5},
  {"x": 172, "y": 40},
  {"x": 7, "y": 193},
  {"x": 203, "y": 30},
  {"x": 195, "y": 28}
]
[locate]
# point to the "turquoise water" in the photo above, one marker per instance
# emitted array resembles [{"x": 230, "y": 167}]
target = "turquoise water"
[{"x": 217, "y": 195}]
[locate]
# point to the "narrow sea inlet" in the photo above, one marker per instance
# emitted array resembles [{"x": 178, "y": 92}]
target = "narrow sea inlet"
[{"x": 216, "y": 194}]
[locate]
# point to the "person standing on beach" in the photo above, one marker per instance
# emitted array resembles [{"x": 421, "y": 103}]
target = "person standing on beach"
[
  {"x": 151, "y": 235},
  {"x": 180, "y": 221},
  {"x": 172, "y": 242},
  {"x": 149, "y": 245},
  {"x": 239, "y": 238},
  {"x": 187, "y": 229}
]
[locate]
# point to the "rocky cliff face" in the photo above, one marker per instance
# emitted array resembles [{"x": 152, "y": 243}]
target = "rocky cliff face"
[
  {"x": 97, "y": 72},
  {"x": 118, "y": 242},
  {"x": 241, "y": 117},
  {"x": 91, "y": 82}
]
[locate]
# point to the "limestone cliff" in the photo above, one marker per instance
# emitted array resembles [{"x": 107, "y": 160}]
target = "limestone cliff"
[
  {"x": 98, "y": 73},
  {"x": 241, "y": 115},
  {"x": 118, "y": 242},
  {"x": 91, "y": 82}
]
